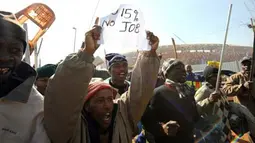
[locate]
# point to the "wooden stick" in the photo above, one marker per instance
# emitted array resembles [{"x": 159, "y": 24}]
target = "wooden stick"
[{"x": 174, "y": 48}]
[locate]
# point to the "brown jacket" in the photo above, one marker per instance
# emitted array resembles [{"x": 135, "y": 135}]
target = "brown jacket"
[
  {"x": 234, "y": 87},
  {"x": 65, "y": 99}
]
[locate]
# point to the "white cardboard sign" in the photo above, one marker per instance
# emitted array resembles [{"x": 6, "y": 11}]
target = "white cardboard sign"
[{"x": 124, "y": 28}]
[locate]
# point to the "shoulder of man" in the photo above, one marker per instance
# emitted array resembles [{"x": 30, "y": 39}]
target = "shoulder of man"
[
  {"x": 165, "y": 89},
  {"x": 204, "y": 88}
]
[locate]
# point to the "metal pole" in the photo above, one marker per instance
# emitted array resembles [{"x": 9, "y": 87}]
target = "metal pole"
[
  {"x": 40, "y": 62},
  {"x": 74, "y": 39},
  {"x": 35, "y": 56},
  {"x": 40, "y": 47},
  {"x": 106, "y": 64},
  {"x": 223, "y": 47},
  {"x": 27, "y": 52}
]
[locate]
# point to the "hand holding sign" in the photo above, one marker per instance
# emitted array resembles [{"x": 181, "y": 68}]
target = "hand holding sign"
[
  {"x": 153, "y": 41},
  {"x": 91, "y": 38}
]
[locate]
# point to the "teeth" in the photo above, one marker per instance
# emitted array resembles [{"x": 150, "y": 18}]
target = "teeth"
[
  {"x": 4, "y": 70},
  {"x": 122, "y": 74},
  {"x": 107, "y": 116}
]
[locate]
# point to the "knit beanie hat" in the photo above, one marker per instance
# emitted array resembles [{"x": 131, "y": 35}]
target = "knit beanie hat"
[
  {"x": 209, "y": 71},
  {"x": 246, "y": 59},
  {"x": 10, "y": 28},
  {"x": 113, "y": 58},
  {"x": 94, "y": 87},
  {"x": 46, "y": 70},
  {"x": 169, "y": 64}
]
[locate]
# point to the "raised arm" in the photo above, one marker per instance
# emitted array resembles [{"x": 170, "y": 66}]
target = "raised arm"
[
  {"x": 66, "y": 91},
  {"x": 232, "y": 86},
  {"x": 143, "y": 81}
]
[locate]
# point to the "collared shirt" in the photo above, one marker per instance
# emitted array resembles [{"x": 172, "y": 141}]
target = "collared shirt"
[{"x": 120, "y": 89}]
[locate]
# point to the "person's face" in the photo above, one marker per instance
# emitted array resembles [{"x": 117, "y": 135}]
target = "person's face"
[
  {"x": 246, "y": 66},
  {"x": 41, "y": 84},
  {"x": 188, "y": 69},
  {"x": 101, "y": 106},
  {"x": 213, "y": 80},
  {"x": 11, "y": 52},
  {"x": 177, "y": 74},
  {"x": 119, "y": 71}
]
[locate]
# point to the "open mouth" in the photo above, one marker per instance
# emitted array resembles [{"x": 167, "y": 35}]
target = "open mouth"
[
  {"x": 123, "y": 74},
  {"x": 107, "y": 118},
  {"x": 4, "y": 70}
]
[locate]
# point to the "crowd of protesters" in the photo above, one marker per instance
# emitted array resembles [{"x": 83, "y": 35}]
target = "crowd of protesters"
[{"x": 64, "y": 103}]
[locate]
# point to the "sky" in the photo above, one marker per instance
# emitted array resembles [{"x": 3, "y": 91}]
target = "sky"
[{"x": 193, "y": 21}]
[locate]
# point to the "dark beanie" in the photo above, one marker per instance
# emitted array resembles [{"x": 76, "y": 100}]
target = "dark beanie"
[
  {"x": 169, "y": 64},
  {"x": 244, "y": 59},
  {"x": 209, "y": 71},
  {"x": 10, "y": 28},
  {"x": 113, "y": 58},
  {"x": 46, "y": 70}
]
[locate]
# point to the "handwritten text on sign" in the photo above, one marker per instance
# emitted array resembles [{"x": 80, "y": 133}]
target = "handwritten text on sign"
[
  {"x": 130, "y": 20},
  {"x": 124, "y": 28}
]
